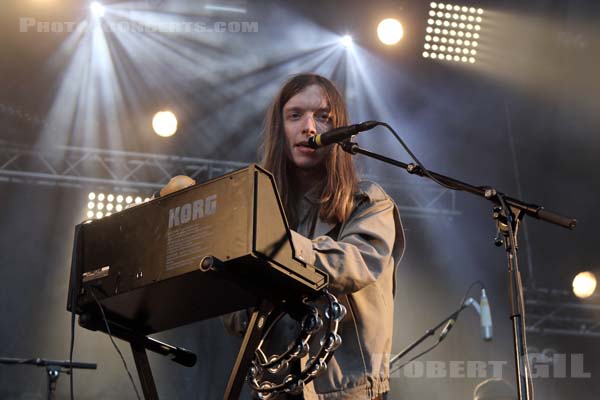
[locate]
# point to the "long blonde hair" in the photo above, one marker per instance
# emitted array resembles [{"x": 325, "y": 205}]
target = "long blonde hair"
[{"x": 340, "y": 182}]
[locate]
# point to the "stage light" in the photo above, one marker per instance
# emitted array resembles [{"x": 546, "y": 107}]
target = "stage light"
[
  {"x": 97, "y": 9},
  {"x": 164, "y": 123},
  {"x": 584, "y": 284},
  {"x": 390, "y": 31},
  {"x": 346, "y": 41},
  {"x": 102, "y": 205},
  {"x": 463, "y": 22}
]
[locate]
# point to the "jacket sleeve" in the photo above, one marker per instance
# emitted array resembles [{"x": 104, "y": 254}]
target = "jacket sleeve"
[{"x": 368, "y": 243}]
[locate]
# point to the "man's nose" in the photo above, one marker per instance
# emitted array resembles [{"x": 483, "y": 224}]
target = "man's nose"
[{"x": 309, "y": 125}]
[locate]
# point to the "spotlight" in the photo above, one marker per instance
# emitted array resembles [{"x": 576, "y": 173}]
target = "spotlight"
[
  {"x": 164, "y": 123},
  {"x": 390, "y": 31},
  {"x": 97, "y": 9},
  {"x": 584, "y": 284},
  {"x": 346, "y": 40},
  {"x": 457, "y": 22},
  {"x": 100, "y": 205}
]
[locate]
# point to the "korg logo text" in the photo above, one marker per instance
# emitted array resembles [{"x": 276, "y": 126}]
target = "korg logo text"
[{"x": 192, "y": 211}]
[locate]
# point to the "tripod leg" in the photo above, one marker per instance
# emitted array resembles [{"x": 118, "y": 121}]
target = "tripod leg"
[
  {"x": 256, "y": 326},
  {"x": 144, "y": 371}
]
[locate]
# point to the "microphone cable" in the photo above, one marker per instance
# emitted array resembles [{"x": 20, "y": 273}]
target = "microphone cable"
[{"x": 453, "y": 316}]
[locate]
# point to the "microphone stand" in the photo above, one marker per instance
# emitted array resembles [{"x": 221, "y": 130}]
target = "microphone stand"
[
  {"x": 53, "y": 369},
  {"x": 508, "y": 212},
  {"x": 429, "y": 332}
]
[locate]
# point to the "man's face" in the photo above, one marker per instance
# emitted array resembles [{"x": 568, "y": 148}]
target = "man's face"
[{"x": 305, "y": 115}]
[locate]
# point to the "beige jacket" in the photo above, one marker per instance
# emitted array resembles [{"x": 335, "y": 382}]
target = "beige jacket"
[{"x": 360, "y": 257}]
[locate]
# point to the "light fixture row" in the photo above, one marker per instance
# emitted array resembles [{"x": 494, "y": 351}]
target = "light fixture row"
[{"x": 102, "y": 205}]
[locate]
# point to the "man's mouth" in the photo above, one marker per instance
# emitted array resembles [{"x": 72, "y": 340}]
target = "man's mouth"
[{"x": 303, "y": 147}]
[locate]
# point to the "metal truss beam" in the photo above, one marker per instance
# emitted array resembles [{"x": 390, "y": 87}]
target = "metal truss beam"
[
  {"x": 559, "y": 312},
  {"x": 146, "y": 172}
]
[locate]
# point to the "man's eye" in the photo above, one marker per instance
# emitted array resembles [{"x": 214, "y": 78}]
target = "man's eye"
[
  {"x": 325, "y": 117},
  {"x": 294, "y": 115}
]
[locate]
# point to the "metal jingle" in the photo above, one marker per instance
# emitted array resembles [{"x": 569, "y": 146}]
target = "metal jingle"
[
  {"x": 331, "y": 342},
  {"x": 265, "y": 395},
  {"x": 336, "y": 311},
  {"x": 265, "y": 392},
  {"x": 317, "y": 368},
  {"x": 278, "y": 367},
  {"x": 255, "y": 372},
  {"x": 266, "y": 385},
  {"x": 304, "y": 349},
  {"x": 311, "y": 323}
]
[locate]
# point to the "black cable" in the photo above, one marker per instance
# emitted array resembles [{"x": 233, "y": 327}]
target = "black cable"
[
  {"x": 455, "y": 316},
  {"x": 419, "y": 163},
  {"x": 478, "y": 282},
  {"x": 114, "y": 344},
  {"x": 417, "y": 356}
]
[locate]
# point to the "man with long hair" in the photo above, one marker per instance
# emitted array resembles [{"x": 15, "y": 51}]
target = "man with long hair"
[{"x": 345, "y": 227}]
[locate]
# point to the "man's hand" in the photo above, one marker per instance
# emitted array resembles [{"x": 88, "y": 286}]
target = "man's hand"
[{"x": 177, "y": 183}]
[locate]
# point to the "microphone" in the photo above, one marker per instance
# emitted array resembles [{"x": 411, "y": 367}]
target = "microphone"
[
  {"x": 340, "y": 134},
  {"x": 485, "y": 317}
]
